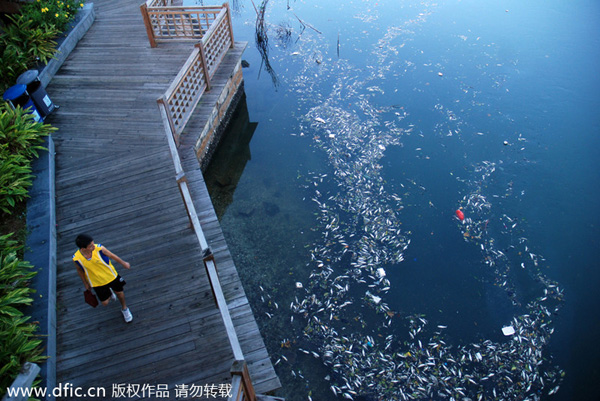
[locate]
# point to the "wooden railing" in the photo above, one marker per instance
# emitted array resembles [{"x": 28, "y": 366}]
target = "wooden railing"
[
  {"x": 242, "y": 388},
  {"x": 194, "y": 77},
  {"x": 176, "y": 106},
  {"x": 166, "y": 22}
]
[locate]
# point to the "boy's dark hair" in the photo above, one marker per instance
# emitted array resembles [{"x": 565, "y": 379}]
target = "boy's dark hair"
[{"x": 83, "y": 240}]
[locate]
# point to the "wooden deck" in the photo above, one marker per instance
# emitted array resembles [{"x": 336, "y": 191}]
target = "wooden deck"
[{"x": 115, "y": 180}]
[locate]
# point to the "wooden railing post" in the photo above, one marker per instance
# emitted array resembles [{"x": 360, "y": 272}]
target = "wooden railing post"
[
  {"x": 148, "y": 24},
  {"x": 181, "y": 181},
  {"x": 200, "y": 46},
  {"x": 167, "y": 114},
  {"x": 230, "y": 24},
  {"x": 211, "y": 258},
  {"x": 240, "y": 368}
]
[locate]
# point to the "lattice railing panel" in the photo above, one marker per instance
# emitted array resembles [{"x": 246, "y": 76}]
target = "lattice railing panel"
[
  {"x": 217, "y": 44},
  {"x": 174, "y": 24},
  {"x": 185, "y": 95},
  {"x": 194, "y": 78}
]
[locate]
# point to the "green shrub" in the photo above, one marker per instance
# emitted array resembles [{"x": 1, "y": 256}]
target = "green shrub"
[
  {"x": 28, "y": 38},
  {"x": 36, "y": 42},
  {"x": 23, "y": 45},
  {"x": 20, "y": 133},
  {"x": 51, "y": 12},
  {"x": 20, "y": 139},
  {"x": 13, "y": 63},
  {"x": 24, "y": 42},
  {"x": 15, "y": 180},
  {"x": 17, "y": 336}
]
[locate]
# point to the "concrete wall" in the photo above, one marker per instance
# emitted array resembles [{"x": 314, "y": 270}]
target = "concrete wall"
[{"x": 209, "y": 138}]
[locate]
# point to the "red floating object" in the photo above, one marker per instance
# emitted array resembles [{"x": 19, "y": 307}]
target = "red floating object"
[{"x": 460, "y": 215}]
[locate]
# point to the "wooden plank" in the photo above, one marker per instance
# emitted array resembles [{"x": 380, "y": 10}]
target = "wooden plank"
[{"x": 116, "y": 179}]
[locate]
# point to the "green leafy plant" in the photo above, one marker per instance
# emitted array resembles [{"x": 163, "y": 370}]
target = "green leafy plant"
[
  {"x": 12, "y": 64},
  {"x": 34, "y": 41},
  {"x": 22, "y": 45},
  {"x": 57, "y": 13},
  {"x": 20, "y": 133},
  {"x": 20, "y": 139},
  {"x": 28, "y": 37},
  {"x": 15, "y": 180},
  {"x": 17, "y": 335}
]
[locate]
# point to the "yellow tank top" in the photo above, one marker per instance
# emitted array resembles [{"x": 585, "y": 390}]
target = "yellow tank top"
[{"x": 98, "y": 269}]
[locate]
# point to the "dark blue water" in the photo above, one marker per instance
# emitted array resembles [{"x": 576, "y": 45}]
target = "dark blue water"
[{"x": 374, "y": 122}]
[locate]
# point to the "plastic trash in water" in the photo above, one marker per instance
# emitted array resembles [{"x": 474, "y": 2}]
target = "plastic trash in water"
[
  {"x": 508, "y": 330},
  {"x": 374, "y": 298}
]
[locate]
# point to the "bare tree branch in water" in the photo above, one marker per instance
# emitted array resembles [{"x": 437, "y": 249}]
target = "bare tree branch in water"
[
  {"x": 262, "y": 41},
  {"x": 306, "y": 24}
]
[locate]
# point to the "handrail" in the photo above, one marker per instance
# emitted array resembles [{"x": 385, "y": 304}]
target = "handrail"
[
  {"x": 185, "y": 91},
  {"x": 207, "y": 9},
  {"x": 176, "y": 106},
  {"x": 241, "y": 386},
  {"x": 181, "y": 180},
  {"x": 165, "y": 22},
  {"x": 217, "y": 40},
  {"x": 239, "y": 370},
  {"x": 194, "y": 78}
]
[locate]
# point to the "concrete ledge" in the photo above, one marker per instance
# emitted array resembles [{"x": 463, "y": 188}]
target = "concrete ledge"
[
  {"x": 220, "y": 116},
  {"x": 85, "y": 19},
  {"x": 23, "y": 380},
  {"x": 211, "y": 142},
  {"x": 41, "y": 253}
]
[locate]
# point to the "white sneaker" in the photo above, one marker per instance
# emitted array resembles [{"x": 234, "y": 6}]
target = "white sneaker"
[
  {"x": 127, "y": 315},
  {"x": 113, "y": 296}
]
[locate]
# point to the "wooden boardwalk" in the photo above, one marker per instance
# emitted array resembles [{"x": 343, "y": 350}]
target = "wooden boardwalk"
[{"x": 115, "y": 180}]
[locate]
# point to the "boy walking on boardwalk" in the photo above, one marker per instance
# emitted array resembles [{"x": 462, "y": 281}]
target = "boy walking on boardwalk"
[{"x": 94, "y": 266}]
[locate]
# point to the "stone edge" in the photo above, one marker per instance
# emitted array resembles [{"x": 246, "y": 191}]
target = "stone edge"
[{"x": 87, "y": 18}]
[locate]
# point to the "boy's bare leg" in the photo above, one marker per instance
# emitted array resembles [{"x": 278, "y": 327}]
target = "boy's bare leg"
[{"x": 121, "y": 297}]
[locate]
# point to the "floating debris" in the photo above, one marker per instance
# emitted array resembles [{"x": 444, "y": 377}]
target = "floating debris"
[
  {"x": 508, "y": 330},
  {"x": 360, "y": 221}
]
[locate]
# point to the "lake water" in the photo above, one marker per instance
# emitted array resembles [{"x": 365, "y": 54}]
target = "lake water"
[{"x": 366, "y": 126}]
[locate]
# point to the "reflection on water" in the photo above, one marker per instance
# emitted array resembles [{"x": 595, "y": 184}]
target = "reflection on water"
[
  {"x": 230, "y": 158},
  {"x": 262, "y": 41}
]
